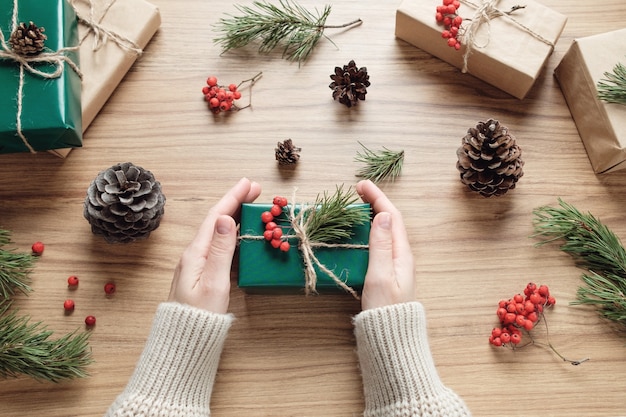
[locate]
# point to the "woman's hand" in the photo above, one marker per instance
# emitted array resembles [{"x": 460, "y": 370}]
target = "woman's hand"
[
  {"x": 390, "y": 276},
  {"x": 202, "y": 276}
]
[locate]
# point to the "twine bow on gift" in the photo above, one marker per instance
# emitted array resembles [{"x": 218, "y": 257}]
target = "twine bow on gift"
[
  {"x": 26, "y": 61},
  {"x": 485, "y": 12},
  {"x": 100, "y": 32}
]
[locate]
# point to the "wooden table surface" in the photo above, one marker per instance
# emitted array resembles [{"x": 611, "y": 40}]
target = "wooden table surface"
[{"x": 289, "y": 355}]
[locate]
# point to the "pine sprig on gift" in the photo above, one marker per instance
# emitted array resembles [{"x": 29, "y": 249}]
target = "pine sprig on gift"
[
  {"x": 612, "y": 89},
  {"x": 379, "y": 165},
  {"x": 332, "y": 217},
  {"x": 288, "y": 24},
  {"x": 595, "y": 248},
  {"x": 26, "y": 349},
  {"x": 15, "y": 268}
]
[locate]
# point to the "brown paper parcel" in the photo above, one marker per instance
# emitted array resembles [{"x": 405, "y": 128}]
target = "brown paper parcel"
[
  {"x": 602, "y": 126},
  {"x": 506, "y": 54},
  {"x": 105, "y": 67}
]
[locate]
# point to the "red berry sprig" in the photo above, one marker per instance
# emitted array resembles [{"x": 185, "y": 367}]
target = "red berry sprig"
[
  {"x": 522, "y": 313},
  {"x": 222, "y": 98},
  {"x": 451, "y": 21},
  {"x": 273, "y": 232}
]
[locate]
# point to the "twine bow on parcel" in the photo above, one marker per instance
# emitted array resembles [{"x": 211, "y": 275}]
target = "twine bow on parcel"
[
  {"x": 485, "y": 12},
  {"x": 299, "y": 223},
  {"x": 55, "y": 58}
]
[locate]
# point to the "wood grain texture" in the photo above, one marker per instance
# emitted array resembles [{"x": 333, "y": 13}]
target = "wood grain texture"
[{"x": 291, "y": 355}]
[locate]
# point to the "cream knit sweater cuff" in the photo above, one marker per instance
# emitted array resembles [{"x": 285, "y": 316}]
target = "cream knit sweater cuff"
[
  {"x": 176, "y": 371},
  {"x": 399, "y": 375}
]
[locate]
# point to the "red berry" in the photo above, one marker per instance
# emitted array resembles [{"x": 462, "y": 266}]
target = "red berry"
[
  {"x": 457, "y": 46},
  {"x": 211, "y": 81},
  {"x": 533, "y": 317},
  {"x": 518, "y": 298},
  {"x": 276, "y": 200},
  {"x": 284, "y": 246},
  {"x": 90, "y": 321},
  {"x": 452, "y": 42},
  {"x": 509, "y": 318},
  {"x": 68, "y": 305},
  {"x": 520, "y": 320},
  {"x": 214, "y": 102},
  {"x": 551, "y": 301},
  {"x": 206, "y": 89},
  {"x": 276, "y": 210},
  {"x": 268, "y": 235},
  {"x": 528, "y": 325},
  {"x": 221, "y": 95},
  {"x": 501, "y": 312},
  {"x": 236, "y": 95},
  {"x": 225, "y": 106},
  {"x": 276, "y": 243},
  {"x": 451, "y": 9},
  {"x": 511, "y": 307},
  {"x": 283, "y": 202},
  {"x": 505, "y": 337},
  {"x": 543, "y": 290},
  {"x": 439, "y": 17},
  {"x": 446, "y": 34},
  {"x": 535, "y": 298},
  {"x": 457, "y": 21},
  {"x": 267, "y": 217},
  {"x": 271, "y": 226},
  {"x": 72, "y": 281},
  {"x": 37, "y": 248},
  {"x": 496, "y": 341},
  {"x": 456, "y": 3},
  {"x": 516, "y": 339},
  {"x": 109, "y": 288},
  {"x": 496, "y": 332},
  {"x": 277, "y": 233},
  {"x": 232, "y": 87}
]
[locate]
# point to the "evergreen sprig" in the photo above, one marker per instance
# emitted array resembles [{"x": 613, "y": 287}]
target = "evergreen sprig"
[
  {"x": 595, "y": 248},
  {"x": 612, "y": 89},
  {"x": 288, "y": 24},
  {"x": 379, "y": 165},
  {"x": 15, "y": 268},
  {"x": 26, "y": 349},
  {"x": 332, "y": 217}
]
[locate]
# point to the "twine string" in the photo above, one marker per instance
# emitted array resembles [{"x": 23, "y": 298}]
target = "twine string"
[
  {"x": 56, "y": 58},
  {"x": 485, "y": 12}
]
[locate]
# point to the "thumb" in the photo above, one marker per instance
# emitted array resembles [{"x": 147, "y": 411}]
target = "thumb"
[
  {"x": 222, "y": 248},
  {"x": 380, "y": 265}
]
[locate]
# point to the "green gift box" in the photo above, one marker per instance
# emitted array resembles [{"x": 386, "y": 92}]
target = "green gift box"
[
  {"x": 262, "y": 268},
  {"x": 50, "y": 114}
]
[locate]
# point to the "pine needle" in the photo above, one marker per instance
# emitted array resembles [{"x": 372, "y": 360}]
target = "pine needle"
[
  {"x": 595, "y": 248},
  {"x": 15, "y": 269},
  {"x": 612, "y": 89},
  {"x": 294, "y": 27},
  {"x": 379, "y": 165}
]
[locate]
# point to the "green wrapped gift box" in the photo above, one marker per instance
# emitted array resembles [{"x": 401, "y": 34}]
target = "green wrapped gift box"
[
  {"x": 265, "y": 269},
  {"x": 50, "y": 116}
]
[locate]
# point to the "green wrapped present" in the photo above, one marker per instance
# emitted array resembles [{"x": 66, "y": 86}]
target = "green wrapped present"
[
  {"x": 39, "y": 91},
  {"x": 262, "y": 268}
]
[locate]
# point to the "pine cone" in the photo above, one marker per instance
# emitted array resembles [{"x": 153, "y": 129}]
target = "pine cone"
[
  {"x": 124, "y": 203},
  {"x": 27, "y": 40},
  {"x": 349, "y": 84},
  {"x": 489, "y": 160},
  {"x": 287, "y": 153}
]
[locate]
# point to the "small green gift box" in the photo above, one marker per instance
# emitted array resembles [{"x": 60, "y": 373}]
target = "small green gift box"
[
  {"x": 262, "y": 268},
  {"x": 48, "y": 108}
]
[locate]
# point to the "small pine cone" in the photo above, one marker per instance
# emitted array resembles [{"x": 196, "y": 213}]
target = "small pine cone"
[
  {"x": 349, "y": 84},
  {"x": 287, "y": 153},
  {"x": 124, "y": 203},
  {"x": 489, "y": 160},
  {"x": 27, "y": 40}
]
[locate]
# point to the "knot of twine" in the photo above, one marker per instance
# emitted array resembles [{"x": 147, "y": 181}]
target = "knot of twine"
[
  {"x": 100, "y": 32},
  {"x": 55, "y": 58},
  {"x": 299, "y": 223},
  {"x": 485, "y": 12}
]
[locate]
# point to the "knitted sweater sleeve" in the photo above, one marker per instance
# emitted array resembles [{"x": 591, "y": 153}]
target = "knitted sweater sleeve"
[
  {"x": 176, "y": 371},
  {"x": 399, "y": 374}
]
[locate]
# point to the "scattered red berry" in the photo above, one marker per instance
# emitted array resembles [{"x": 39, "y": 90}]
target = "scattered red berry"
[
  {"x": 90, "y": 321},
  {"x": 109, "y": 288},
  {"x": 72, "y": 281},
  {"x": 37, "y": 248},
  {"x": 68, "y": 305}
]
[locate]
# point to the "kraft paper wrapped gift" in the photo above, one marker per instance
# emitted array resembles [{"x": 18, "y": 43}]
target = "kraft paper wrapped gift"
[
  {"x": 40, "y": 111},
  {"x": 262, "y": 268},
  {"x": 508, "y": 52},
  {"x": 105, "y": 60},
  {"x": 601, "y": 125}
]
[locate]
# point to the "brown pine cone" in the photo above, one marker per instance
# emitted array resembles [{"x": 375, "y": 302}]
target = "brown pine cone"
[
  {"x": 27, "y": 40},
  {"x": 489, "y": 160},
  {"x": 349, "y": 84},
  {"x": 287, "y": 153}
]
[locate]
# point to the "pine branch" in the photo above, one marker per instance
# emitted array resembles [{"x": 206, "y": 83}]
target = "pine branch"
[
  {"x": 612, "y": 89},
  {"x": 595, "y": 248},
  {"x": 14, "y": 268},
  {"x": 379, "y": 165},
  {"x": 332, "y": 217},
  {"x": 295, "y": 28},
  {"x": 26, "y": 349}
]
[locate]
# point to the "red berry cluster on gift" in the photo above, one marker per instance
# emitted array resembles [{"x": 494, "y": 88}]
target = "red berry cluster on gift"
[
  {"x": 520, "y": 312},
  {"x": 273, "y": 232},
  {"x": 220, "y": 98},
  {"x": 448, "y": 17}
]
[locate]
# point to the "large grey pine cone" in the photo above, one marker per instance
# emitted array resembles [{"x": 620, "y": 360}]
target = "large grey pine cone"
[
  {"x": 124, "y": 203},
  {"x": 489, "y": 159}
]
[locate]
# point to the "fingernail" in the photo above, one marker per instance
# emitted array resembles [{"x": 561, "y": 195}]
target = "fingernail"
[
  {"x": 223, "y": 225},
  {"x": 384, "y": 220}
]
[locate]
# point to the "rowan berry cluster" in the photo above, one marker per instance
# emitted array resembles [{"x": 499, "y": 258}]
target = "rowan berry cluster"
[
  {"x": 520, "y": 312},
  {"x": 451, "y": 21},
  {"x": 220, "y": 98},
  {"x": 273, "y": 232}
]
